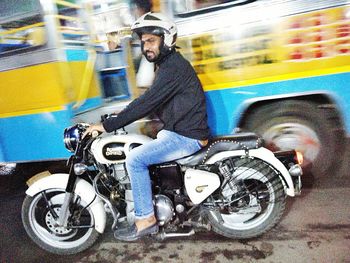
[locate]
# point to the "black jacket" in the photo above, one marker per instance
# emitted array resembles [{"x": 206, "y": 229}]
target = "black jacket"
[{"x": 176, "y": 96}]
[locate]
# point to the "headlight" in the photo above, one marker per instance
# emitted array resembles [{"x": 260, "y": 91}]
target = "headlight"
[{"x": 73, "y": 134}]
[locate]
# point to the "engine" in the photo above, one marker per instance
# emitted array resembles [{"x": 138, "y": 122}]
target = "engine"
[
  {"x": 112, "y": 150},
  {"x": 119, "y": 172},
  {"x": 164, "y": 209}
]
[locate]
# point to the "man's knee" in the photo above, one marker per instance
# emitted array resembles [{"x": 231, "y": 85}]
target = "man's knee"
[{"x": 135, "y": 159}]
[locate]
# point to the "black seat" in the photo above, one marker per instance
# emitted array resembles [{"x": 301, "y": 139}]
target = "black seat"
[{"x": 240, "y": 141}]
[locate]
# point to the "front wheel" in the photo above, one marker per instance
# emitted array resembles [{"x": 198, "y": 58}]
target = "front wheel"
[
  {"x": 250, "y": 203},
  {"x": 38, "y": 217}
]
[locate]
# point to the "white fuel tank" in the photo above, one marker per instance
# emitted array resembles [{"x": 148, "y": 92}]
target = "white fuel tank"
[
  {"x": 200, "y": 184},
  {"x": 113, "y": 149}
]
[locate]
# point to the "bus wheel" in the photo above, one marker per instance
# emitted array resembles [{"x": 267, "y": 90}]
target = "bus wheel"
[{"x": 303, "y": 126}]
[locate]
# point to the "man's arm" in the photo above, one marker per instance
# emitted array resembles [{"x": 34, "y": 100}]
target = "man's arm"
[{"x": 166, "y": 85}]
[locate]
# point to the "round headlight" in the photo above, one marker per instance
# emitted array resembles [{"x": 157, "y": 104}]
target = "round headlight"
[
  {"x": 71, "y": 138},
  {"x": 72, "y": 135}
]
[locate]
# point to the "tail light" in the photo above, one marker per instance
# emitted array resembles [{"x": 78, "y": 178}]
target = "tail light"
[{"x": 299, "y": 158}]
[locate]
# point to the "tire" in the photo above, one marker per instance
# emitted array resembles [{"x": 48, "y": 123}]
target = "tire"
[
  {"x": 303, "y": 126},
  {"x": 39, "y": 224},
  {"x": 261, "y": 191}
]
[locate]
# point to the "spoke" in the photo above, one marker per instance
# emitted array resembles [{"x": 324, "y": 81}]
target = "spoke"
[{"x": 49, "y": 205}]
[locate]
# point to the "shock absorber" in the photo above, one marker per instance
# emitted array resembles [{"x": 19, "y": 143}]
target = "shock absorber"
[
  {"x": 225, "y": 169},
  {"x": 228, "y": 186}
]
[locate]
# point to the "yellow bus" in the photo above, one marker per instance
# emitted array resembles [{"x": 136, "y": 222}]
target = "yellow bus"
[
  {"x": 280, "y": 68},
  {"x": 53, "y": 72}
]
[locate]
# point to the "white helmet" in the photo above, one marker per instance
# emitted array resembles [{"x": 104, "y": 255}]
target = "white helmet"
[{"x": 156, "y": 24}]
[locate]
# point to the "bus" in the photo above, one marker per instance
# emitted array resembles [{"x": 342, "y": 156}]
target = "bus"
[
  {"x": 279, "y": 68},
  {"x": 53, "y": 72}
]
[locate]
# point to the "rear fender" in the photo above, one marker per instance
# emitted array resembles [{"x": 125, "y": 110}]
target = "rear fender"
[
  {"x": 265, "y": 155},
  {"x": 82, "y": 188}
]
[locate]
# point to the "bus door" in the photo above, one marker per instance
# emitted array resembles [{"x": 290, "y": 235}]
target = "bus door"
[
  {"x": 78, "y": 55},
  {"x": 109, "y": 22}
]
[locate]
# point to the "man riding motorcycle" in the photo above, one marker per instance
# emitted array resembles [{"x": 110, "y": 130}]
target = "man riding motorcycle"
[{"x": 177, "y": 97}]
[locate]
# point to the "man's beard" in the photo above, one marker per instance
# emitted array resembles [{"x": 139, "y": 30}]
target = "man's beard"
[{"x": 150, "y": 57}]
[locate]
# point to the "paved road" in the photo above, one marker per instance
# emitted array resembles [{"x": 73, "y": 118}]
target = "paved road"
[{"x": 315, "y": 228}]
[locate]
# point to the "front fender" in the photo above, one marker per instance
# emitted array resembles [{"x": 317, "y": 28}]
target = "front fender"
[
  {"x": 82, "y": 188},
  {"x": 265, "y": 155}
]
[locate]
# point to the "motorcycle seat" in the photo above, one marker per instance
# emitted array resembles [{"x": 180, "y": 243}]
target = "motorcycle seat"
[{"x": 240, "y": 141}]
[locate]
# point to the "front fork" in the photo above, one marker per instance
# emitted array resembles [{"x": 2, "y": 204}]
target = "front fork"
[{"x": 64, "y": 212}]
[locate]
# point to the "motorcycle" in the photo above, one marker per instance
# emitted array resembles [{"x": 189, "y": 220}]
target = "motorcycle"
[{"x": 233, "y": 186}]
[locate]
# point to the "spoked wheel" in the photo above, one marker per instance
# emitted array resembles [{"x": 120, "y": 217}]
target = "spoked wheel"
[
  {"x": 39, "y": 214},
  {"x": 250, "y": 203}
]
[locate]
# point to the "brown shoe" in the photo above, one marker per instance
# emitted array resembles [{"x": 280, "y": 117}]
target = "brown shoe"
[{"x": 131, "y": 233}]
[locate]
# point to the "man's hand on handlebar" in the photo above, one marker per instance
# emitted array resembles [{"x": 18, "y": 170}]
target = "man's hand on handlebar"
[{"x": 94, "y": 130}]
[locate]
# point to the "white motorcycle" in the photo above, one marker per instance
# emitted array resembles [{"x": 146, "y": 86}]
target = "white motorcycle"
[{"x": 234, "y": 187}]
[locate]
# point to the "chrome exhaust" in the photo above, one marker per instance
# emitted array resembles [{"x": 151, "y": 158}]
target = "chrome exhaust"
[{"x": 165, "y": 235}]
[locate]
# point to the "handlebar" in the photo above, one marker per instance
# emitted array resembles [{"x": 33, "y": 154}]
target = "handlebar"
[
  {"x": 107, "y": 116},
  {"x": 112, "y": 115}
]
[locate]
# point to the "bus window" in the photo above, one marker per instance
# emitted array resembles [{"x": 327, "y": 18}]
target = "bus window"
[
  {"x": 23, "y": 28},
  {"x": 184, "y": 8},
  {"x": 72, "y": 28}
]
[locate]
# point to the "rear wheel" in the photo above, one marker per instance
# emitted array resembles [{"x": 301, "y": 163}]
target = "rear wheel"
[
  {"x": 38, "y": 217},
  {"x": 251, "y": 203}
]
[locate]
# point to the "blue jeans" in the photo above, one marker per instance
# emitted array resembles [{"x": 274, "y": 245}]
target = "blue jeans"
[{"x": 166, "y": 147}]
